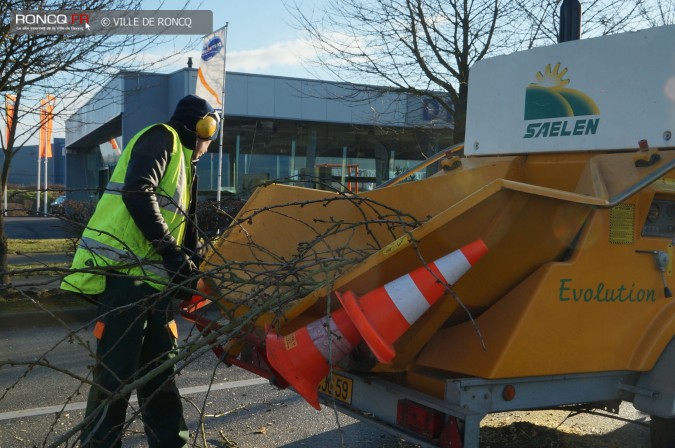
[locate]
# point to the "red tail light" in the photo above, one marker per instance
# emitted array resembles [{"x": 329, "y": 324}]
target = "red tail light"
[{"x": 419, "y": 419}]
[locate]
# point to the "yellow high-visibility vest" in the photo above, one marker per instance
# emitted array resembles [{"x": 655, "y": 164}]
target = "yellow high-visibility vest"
[{"x": 112, "y": 241}]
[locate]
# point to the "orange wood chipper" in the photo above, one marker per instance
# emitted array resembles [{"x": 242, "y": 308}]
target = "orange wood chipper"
[{"x": 532, "y": 271}]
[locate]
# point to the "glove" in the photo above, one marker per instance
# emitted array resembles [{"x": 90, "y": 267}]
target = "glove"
[{"x": 182, "y": 269}]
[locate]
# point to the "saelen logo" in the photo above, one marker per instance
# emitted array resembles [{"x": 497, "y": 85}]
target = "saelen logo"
[{"x": 550, "y": 98}]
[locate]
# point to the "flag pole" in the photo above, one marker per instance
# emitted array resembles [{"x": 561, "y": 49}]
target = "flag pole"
[
  {"x": 222, "y": 127},
  {"x": 42, "y": 152},
  {"x": 49, "y": 116},
  {"x": 46, "y": 202},
  {"x": 39, "y": 181}
]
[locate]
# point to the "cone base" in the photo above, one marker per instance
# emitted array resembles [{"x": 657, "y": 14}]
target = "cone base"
[{"x": 382, "y": 350}]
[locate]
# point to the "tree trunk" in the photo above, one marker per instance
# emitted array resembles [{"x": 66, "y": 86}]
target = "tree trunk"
[{"x": 4, "y": 276}]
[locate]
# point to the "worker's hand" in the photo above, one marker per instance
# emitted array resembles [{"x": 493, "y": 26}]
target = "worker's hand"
[
  {"x": 201, "y": 251},
  {"x": 182, "y": 269}
]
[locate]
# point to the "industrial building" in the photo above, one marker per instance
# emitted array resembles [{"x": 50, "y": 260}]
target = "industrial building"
[
  {"x": 282, "y": 128},
  {"x": 23, "y": 172}
]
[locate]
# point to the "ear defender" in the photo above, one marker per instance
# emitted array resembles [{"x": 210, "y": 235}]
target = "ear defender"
[{"x": 207, "y": 126}]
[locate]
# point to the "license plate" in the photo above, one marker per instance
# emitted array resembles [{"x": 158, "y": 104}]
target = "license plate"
[{"x": 340, "y": 388}]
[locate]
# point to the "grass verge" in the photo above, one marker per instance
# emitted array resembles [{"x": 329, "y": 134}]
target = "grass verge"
[
  {"x": 36, "y": 298},
  {"x": 13, "y": 300},
  {"x": 36, "y": 246}
]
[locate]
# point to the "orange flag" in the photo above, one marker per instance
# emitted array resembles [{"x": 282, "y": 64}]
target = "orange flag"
[
  {"x": 9, "y": 110},
  {"x": 46, "y": 123}
]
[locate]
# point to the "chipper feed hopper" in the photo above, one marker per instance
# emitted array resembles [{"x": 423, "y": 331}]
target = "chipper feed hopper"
[{"x": 532, "y": 271}]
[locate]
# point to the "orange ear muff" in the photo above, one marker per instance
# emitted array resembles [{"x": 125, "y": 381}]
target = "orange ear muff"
[{"x": 207, "y": 127}]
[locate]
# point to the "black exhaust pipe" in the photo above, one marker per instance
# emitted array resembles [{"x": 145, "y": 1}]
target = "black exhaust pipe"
[{"x": 570, "y": 21}]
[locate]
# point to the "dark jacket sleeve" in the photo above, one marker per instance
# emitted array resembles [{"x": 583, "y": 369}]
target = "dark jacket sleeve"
[
  {"x": 147, "y": 164},
  {"x": 191, "y": 240}
]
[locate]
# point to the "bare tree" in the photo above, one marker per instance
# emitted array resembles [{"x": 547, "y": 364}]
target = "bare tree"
[
  {"x": 658, "y": 13},
  {"x": 68, "y": 66},
  {"x": 413, "y": 46},
  {"x": 269, "y": 281},
  {"x": 427, "y": 47}
]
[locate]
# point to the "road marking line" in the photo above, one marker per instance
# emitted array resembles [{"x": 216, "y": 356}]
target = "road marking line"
[{"x": 82, "y": 405}]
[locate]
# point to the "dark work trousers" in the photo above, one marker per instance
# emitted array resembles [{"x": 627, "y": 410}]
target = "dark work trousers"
[{"x": 135, "y": 336}]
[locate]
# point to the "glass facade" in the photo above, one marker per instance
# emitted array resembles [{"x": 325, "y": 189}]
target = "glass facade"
[
  {"x": 315, "y": 134},
  {"x": 319, "y": 155}
]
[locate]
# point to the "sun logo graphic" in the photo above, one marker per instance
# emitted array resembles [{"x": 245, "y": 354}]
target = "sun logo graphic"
[{"x": 549, "y": 98}]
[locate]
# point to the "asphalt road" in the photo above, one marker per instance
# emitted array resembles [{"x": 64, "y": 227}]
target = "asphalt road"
[
  {"x": 35, "y": 227},
  {"x": 241, "y": 407},
  {"x": 241, "y": 410},
  {"x": 40, "y": 404}
]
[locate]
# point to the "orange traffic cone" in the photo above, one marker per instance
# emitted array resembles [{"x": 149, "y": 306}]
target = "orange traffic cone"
[
  {"x": 384, "y": 314},
  {"x": 304, "y": 357}
]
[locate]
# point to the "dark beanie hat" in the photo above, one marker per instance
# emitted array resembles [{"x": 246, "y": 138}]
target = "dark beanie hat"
[{"x": 191, "y": 109}]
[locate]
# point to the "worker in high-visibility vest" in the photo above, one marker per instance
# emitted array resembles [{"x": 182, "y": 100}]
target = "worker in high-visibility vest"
[{"x": 135, "y": 253}]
